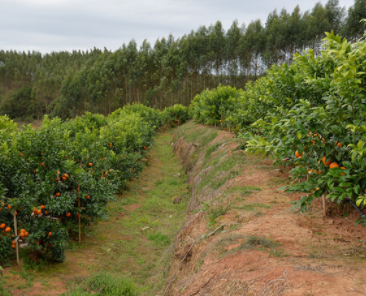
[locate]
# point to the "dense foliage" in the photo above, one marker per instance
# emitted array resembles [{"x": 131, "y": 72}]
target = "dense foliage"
[
  {"x": 310, "y": 115},
  {"x": 45, "y": 172},
  {"x": 171, "y": 71}
]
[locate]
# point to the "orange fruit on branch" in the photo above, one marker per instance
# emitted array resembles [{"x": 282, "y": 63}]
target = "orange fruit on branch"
[
  {"x": 327, "y": 163},
  {"x": 334, "y": 165},
  {"x": 68, "y": 215},
  {"x": 90, "y": 164},
  {"x": 343, "y": 168},
  {"x": 2, "y": 226},
  {"x": 7, "y": 229}
]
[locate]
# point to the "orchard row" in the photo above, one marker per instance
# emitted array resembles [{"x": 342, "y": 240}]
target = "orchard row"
[
  {"x": 51, "y": 177},
  {"x": 310, "y": 115}
]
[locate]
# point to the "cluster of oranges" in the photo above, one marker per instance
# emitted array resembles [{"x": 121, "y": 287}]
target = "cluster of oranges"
[
  {"x": 23, "y": 234},
  {"x": 326, "y": 162},
  {"x": 5, "y": 229},
  {"x": 63, "y": 177}
]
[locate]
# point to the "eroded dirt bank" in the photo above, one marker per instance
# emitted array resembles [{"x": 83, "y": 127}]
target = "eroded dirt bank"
[{"x": 242, "y": 237}]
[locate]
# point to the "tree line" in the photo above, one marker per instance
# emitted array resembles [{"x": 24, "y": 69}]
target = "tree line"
[{"x": 171, "y": 71}]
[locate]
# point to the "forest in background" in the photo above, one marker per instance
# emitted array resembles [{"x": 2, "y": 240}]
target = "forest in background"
[{"x": 174, "y": 70}]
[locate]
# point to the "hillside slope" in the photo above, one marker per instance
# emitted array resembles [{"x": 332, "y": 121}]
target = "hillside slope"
[{"x": 241, "y": 236}]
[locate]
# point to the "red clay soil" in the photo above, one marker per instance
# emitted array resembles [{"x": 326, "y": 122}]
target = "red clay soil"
[{"x": 301, "y": 253}]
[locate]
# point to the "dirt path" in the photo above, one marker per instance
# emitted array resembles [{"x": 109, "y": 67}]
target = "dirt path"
[
  {"x": 264, "y": 247},
  {"x": 133, "y": 243}
]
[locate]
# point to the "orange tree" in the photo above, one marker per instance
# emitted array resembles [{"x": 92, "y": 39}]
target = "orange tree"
[
  {"x": 175, "y": 115},
  {"x": 324, "y": 138}
]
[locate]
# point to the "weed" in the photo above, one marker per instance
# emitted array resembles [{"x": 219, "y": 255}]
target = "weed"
[
  {"x": 172, "y": 182},
  {"x": 103, "y": 284},
  {"x": 244, "y": 190},
  {"x": 159, "y": 238},
  {"x": 159, "y": 182},
  {"x": 252, "y": 207},
  {"x": 211, "y": 149},
  {"x": 215, "y": 212},
  {"x": 254, "y": 241}
]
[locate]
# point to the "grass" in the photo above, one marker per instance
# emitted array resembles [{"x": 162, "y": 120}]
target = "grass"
[
  {"x": 252, "y": 207},
  {"x": 216, "y": 211},
  {"x": 244, "y": 190},
  {"x": 223, "y": 168},
  {"x": 105, "y": 284},
  {"x": 211, "y": 149},
  {"x": 159, "y": 238},
  {"x": 250, "y": 243}
]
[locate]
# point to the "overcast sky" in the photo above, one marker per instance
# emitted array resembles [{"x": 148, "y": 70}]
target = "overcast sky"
[{"x": 54, "y": 25}]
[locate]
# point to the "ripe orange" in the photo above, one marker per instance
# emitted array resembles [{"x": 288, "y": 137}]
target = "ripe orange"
[
  {"x": 343, "y": 168},
  {"x": 43, "y": 207},
  {"x": 327, "y": 163},
  {"x": 339, "y": 144},
  {"x": 110, "y": 144},
  {"x": 68, "y": 215},
  {"x": 66, "y": 175},
  {"x": 3, "y": 224},
  {"x": 9, "y": 207},
  {"x": 13, "y": 246},
  {"x": 7, "y": 229},
  {"x": 50, "y": 233},
  {"x": 90, "y": 164},
  {"x": 39, "y": 212},
  {"x": 88, "y": 196},
  {"x": 58, "y": 194},
  {"x": 334, "y": 165}
]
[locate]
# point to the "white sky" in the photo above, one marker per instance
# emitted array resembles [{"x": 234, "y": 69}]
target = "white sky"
[{"x": 54, "y": 25}]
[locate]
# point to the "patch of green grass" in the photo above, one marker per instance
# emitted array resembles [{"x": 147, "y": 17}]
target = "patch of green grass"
[
  {"x": 159, "y": 238},
  {"x": 227, "y": 164},
  {"x": 223, "y": 179},
  {"x": 102, "y": 284},
  {"x": 159, "y": 182},
  {"x": 172, "y": 182},
  {"x": 208, "y": 137},
  {"x": 3, "y": 291},
  {"x": 254, "y": 241},
  {"x": 244, "y": 190},
  {"x": 214, "y": 212},
  {"x": 252, "y": 207},
  {"x": 192, "y": 136},
  {"x": 211, "y": 149}
]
